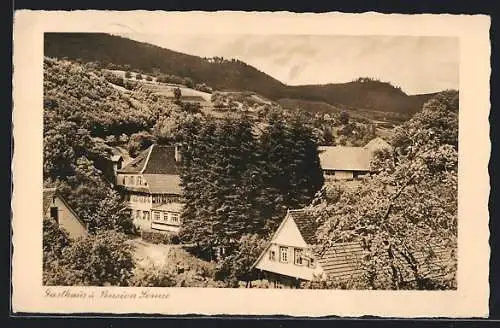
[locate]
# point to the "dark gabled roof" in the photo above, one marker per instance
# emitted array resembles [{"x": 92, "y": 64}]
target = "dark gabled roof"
[
  {"x": 306, "y": 225},
  {"x": 48, "y": 196},
  {"x": 157, "y": 159},
  {"x": 344, "y": 158},
  {"x": 162, "y": 161}
]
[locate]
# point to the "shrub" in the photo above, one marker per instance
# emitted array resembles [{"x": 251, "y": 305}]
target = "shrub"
[
  {"x": 155, "y": 237},
  {"x": 237, "y": 265},
  {"x": 113, "y": 78},
  {"x": 97, "y": 260},
  {"x": 130, "y": 84},
  {"x": 152, "y": 276}
]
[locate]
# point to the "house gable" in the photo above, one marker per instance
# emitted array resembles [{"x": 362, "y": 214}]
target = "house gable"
[
  {"x": 289, "y": 237},
  {"x": 55, "y": 205}
]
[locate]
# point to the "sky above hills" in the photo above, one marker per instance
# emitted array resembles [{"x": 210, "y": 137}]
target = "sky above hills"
[{"x": 416, "y": 64}]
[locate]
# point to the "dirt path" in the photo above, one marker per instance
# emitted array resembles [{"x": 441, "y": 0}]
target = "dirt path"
[{"x": 147, "y": 253}]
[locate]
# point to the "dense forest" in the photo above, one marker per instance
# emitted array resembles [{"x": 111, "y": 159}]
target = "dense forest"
[{"x": 120, "y": 53}]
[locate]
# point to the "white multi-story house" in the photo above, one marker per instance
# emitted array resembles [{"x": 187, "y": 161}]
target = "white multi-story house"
[{"x": 151, "y": 184}]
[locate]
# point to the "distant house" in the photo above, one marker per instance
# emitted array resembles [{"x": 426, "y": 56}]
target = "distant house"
[
  {"x": 151, "y": 186},
  {"x": 343, "y": 163},
  {"x": 378, "y": 144},
  {"x": 289, "y": 258},
  {"x": 57, "y": 209}
]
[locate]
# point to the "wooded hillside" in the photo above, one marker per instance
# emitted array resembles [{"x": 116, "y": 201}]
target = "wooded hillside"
[{"x": 222, "y": 74}]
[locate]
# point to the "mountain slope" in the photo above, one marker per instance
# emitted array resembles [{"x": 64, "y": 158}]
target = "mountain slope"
[{"x": 225, "y": 75}]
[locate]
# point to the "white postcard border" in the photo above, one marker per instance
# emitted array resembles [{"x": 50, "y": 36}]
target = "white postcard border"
[{"x": 471, "y": 298}]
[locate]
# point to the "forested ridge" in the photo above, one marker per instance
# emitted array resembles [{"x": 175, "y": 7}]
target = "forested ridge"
[{"x": 225, "y": 74}]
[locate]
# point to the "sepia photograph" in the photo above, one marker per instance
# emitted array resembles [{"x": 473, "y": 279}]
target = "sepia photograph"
[
  {"x": 165, "y": 168},
  {"x": 250, "y": 161}
]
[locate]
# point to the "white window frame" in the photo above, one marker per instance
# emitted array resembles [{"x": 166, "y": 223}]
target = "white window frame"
[
  {"x": 157, "y": 216},
  {"x": 283, "y": 254},
  {"x": 175, "y": 218}
]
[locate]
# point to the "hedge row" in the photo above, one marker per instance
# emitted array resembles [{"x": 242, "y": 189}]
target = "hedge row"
[{"x": 156, "y": 237}]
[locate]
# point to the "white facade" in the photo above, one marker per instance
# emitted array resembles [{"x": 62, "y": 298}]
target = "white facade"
[
  {"x": 140, "y": 210},
  {"x": 338, "y": 175},
  {"x": 288, "y": 254},
  {"x": 165, "y": 220}
]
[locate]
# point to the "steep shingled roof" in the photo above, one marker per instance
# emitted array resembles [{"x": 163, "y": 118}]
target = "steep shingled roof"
[
  {"x": 157, "y": 159},
  {"x": 306, "y": 225},
  {"x": 344, "y": 158},
  {"x": 162, "y": 161}
]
